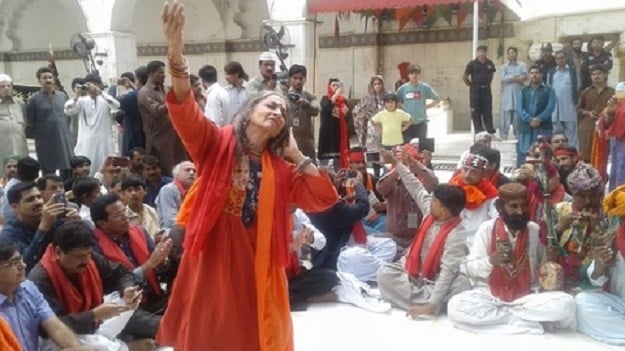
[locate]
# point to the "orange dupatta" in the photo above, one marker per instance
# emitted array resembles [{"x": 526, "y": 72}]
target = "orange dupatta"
[
  {"x": 274, "y": 314},
  {"x": 600, "y": 152},
  {"x": 8, "y": 340}
]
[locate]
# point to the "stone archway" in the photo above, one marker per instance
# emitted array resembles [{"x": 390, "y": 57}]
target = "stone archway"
[{"x": 21, "y": 23}]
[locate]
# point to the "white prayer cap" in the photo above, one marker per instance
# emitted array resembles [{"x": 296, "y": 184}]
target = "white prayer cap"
[
  {"x": 5, "y": 78},
  {"x": 267, "y": 56},
  {"x": 414, "y": 141}
]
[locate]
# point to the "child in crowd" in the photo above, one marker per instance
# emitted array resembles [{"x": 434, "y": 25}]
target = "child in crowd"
[{"x": 392, "y": 122}]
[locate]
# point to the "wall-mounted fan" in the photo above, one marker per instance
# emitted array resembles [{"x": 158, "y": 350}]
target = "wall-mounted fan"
[
  {"x": 278, "y": 40},
  {"x": 82, "y": 44}
]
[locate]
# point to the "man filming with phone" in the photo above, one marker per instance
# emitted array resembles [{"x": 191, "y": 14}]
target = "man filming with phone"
[
  {"x": 267, "y": 80},
  {"x": 36, "y": 219},
  {"x": 304, "y": 108},
  {"x": 95, "y": 112}
]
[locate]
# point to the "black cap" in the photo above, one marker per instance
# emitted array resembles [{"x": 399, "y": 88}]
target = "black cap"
[
  {"x": 483, "y": 47},
  {"x": 546, "y": 47}
]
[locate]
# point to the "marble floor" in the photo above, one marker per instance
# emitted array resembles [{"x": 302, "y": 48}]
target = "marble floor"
[{"x": 337, "y": 327}]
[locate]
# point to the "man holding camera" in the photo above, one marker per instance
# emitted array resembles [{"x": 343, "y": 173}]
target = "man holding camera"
[
  {"x": 268, "y": 80},
  {"x": 95, "y": 112},
  {"x": 304, "y": 107}
]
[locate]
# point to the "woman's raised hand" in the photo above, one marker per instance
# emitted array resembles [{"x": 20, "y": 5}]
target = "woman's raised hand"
[{"x": 173, "y": 19}]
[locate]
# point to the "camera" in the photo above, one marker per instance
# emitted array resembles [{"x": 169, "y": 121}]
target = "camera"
[
  {"x": 293, "y": 97},
  {"x": 280, "y": 76},
  {"x": 352, "y": 174},
  {"x": 82, "y": 87}
]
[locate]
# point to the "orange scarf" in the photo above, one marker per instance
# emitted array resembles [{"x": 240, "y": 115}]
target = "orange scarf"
[
  {"x": 8, "y": 340},
  {"x": 340, "y": 105},
  {"x": 476, "y": 194},
  {"x": 432, "y": 263},
  {"x": 512, "y": 282},
  {"x": 85, "y": 297},
  {"x": 138, "y": 247}
]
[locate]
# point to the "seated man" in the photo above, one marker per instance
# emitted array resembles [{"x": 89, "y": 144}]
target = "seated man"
[
  {"x": 139, "y": 213},
  {"x": 422, "y": 281},
  {"x": 170, "y": 196},
  {"x": 86, "y": 190},
  {"x": 502, "y": 265},
  {"x": 132, "y": 246},
  {"x": 27, "y": 171},
  {"x": 342, "y": 222},
  {"x": 404, "y": 216},
  {"x": 308, "y": 285},
  {"x": 493, "y": 171},
  {"x": 49, "y": 185},
  {"x": 600, "y": 314},
  {"x": 375, "y": 221},
  {"x": 153, "y": 174},
  {"x": 24, "y": 307},
  {"x": 34, "y": 223},
  {"x": 81, "y": 167},
  {"x": 566, "y": 159},
  {"x": 480, "y": 193},
  {"x": 579, "y": 225},
  {"x": 74, "y": 279}
]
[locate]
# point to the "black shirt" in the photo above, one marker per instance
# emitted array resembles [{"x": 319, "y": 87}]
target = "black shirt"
[
  {"x": 481, "y": 73},
  {"x": 546, "y": 66}
]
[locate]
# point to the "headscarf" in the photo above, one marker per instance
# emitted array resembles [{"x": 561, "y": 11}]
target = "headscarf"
[
  {"x": 339, "y": 105},
  {"x": 614, "y": 202},
  {"x": 583, "y": 178}
]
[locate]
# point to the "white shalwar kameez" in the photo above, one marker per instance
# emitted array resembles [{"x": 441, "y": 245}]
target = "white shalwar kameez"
[
  {"x": 478, "y": 311},
  {"x": 95, "y": 127},
  {"x": 601, "y": 315}
]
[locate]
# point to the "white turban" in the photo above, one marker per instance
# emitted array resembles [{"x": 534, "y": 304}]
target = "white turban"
[{"x": 5, "y": 78}]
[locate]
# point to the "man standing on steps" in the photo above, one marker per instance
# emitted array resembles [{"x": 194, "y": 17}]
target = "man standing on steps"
[{"x": 480, "y": 70}]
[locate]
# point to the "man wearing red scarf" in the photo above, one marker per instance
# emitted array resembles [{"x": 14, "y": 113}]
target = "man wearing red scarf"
[
  {"x": 479, "y": 191},
  {"x": 423, "y": 280},
  {"x": 375, "y": 221},
  {"x": 131, "y": 246},
  {"x": 600, "y": 314},
  {"x": 74, "y": 279},
  {"x": 170, "y": 196},
  {"x": 502, "y": 265}
]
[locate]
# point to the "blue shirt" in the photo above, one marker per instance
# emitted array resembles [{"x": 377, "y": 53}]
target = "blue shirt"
[
  {"x": 413, "y": 99},
  {"x": 25, "y": 314}
]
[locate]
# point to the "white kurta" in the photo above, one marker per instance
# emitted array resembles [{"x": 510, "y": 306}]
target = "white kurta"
[
  {"x": 600, "y": 315},
  {"x": 95, "y": 127},
  {"x": 479, "y": 311}
]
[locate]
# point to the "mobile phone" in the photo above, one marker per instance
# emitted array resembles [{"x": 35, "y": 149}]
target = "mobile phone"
[
  {"x": 120, "y": 161},
  {"x": 59, "y": 198},
  {"x": 373, "y": 157}
]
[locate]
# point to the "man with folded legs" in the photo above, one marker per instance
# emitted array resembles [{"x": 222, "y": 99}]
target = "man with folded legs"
[
  {"x": 502, "y": 265},
  {"x": 422, "y": 281}
]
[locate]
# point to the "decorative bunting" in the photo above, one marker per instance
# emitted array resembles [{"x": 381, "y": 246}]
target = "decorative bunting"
[
  {"x": 417, "y": 16},
  {"x": 463, "y": 13},
  {"x": 403, "y": 16}
]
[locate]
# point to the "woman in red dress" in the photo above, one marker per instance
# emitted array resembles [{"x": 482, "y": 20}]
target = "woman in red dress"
[{"x": 231, "y": 289}]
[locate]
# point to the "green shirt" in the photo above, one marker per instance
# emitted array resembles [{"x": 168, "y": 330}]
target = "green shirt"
[{"x": 413, "y": 99}]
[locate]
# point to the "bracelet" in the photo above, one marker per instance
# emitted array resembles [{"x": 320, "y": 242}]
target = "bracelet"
[
  {"x": 303, "y": 164},
  {"x": 178, "y": 70}
]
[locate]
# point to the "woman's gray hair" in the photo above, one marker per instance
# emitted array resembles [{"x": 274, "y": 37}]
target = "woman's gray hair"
[{"x": 275, "y": 144}]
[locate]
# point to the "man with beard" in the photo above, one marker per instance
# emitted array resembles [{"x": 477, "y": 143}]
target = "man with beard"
[
  {"x": 266, "y": 81},
  {"x": 12, "y": 120},
  {"x": 502, "y": 265},
  {"x": 580, "y": 225},
  {"x": 479, "y": 191},
  {"x": 170, "y": 196},
  {"x": 424, "y": 279},
  {"x": 600, "y": 314},
  {"x": 152, "y": 172},
  {"x": 565, "y": 158}
]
